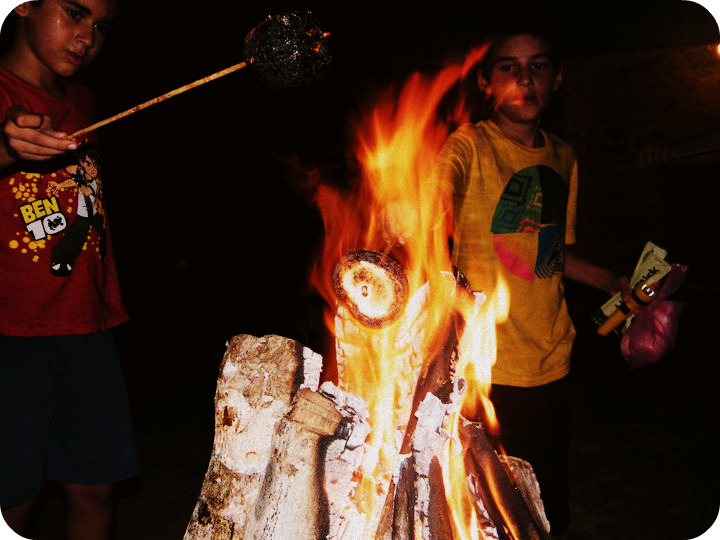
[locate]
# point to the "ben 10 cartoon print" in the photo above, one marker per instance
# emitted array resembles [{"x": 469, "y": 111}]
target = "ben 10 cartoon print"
[{"x": 65, "y": 214}]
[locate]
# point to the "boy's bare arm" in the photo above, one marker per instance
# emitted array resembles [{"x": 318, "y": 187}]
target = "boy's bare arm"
[
  {"x": 28, "y": 136},
  {"x": 588, "y": 273}
]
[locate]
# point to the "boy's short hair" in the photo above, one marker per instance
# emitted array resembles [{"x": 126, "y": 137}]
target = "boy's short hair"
[{"x": 540, "y": 29}]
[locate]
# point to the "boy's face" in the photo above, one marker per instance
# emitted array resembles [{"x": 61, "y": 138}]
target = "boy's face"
[
  {"x": 522, "y": 78},
  {"x": 66, "y": 35}
]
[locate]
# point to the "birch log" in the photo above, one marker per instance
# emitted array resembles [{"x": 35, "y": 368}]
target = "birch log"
[
  {"x": 257, "y": 383},
  {"x": 292, "y": 503}
]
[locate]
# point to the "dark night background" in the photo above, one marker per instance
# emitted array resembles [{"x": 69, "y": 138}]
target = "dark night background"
[{"x": 214, "y": 231}]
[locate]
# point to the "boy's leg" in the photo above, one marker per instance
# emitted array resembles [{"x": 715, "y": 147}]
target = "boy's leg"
[
  {"x": 90, "y": 511},
  {"x": 534, "y": 425},
  {"x": 92, "y": 444},
  {"x": 26, "y": 406},
  {"x": 18, "y": 518}
]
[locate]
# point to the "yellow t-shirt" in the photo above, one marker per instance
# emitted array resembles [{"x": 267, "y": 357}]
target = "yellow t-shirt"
[{"x": 514, "y": 211}]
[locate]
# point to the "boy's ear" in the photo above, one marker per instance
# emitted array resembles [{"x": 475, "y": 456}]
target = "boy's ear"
[
  {"x": 558, "y": 78},
  {"x": 482, "y": 82},
  {"x": 22, "y": 9}
]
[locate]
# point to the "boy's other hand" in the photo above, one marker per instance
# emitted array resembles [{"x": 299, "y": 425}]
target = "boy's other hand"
[
  {"x": 31, "y": 136},
  {"x": 620, "y": 284},
  {"x": 399, "y": 221}
]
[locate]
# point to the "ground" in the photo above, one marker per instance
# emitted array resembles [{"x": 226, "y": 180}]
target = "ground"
[{"x": 642, "y": 456}]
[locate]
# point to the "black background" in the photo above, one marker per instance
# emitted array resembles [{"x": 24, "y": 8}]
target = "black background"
[{"x": 214, "y": 231}]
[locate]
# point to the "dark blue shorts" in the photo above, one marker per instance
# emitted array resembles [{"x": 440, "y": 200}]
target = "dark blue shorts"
[{"x": 64, "y": 414}]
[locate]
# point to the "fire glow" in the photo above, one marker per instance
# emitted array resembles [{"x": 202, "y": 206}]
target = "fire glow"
[{"x": 396, "y": 206}]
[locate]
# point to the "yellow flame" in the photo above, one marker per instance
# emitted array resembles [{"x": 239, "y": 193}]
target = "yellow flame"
[
  {"x": 397, "y": 206},
  {"x": 477, "y": 354}
]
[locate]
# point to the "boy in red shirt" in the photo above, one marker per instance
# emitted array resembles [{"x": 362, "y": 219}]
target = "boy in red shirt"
[{"x": 64, "y": 414}]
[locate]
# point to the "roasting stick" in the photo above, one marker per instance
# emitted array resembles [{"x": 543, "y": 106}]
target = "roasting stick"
[
  {"x": 284, "y": 50},
  {"x": 158, "y": 99}
]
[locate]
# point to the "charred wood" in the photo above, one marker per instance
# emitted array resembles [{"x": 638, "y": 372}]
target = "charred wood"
[{"x": 502, "y": 499}]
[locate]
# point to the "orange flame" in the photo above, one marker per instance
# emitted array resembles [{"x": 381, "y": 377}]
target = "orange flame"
[{"x": 398, "y": 206}]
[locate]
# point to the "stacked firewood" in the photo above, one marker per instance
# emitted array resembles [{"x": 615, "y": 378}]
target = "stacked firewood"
[{"x": 286, "y": 454}]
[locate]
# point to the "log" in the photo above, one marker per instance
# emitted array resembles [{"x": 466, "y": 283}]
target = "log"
[
  {"x": 292, "y": 502},
  {"x": 431, "y": 507},
  {"x": 257, "y": 383},
  {"x": 343, "y": 459},
  {"x": 523, "y": 476},
  {"x": 438, "y": 519},
  {"x": 502, "y": 499},
  {"x": 372, "y": 286},
  {"x": 403, "y": 526},
  {"x": 436, "y": 379},
  {"x": 353, "y": 344}
]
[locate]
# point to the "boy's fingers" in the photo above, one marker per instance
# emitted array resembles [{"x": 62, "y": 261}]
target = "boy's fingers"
[
  {"x": 25, "y": 120},
  {"x": 21, "y": 118},
  {"x": 55, "y": 140},
  {"x": 31, "y": 136},
  {"x": 41, "y": 146}
]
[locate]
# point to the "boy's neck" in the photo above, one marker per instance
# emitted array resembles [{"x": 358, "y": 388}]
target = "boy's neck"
[
  {"x": 527, "y": 134},
  {"x": 28, "y": 70}
]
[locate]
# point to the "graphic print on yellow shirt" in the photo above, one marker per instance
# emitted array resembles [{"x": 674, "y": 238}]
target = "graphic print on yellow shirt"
[{"x": 528, "y": 225}]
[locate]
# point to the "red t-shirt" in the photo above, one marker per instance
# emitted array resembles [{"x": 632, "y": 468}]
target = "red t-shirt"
[{"x": 57, "y": 272}]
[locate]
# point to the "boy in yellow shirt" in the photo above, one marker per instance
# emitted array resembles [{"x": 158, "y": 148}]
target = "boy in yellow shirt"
[{"x": 514, "y": 196}]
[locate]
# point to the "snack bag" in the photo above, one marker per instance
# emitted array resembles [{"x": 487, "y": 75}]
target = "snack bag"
[{"x": 652, "y": 332}]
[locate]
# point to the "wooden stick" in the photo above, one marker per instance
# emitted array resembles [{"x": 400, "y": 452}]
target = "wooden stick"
[{"x": 158, "y": 99}]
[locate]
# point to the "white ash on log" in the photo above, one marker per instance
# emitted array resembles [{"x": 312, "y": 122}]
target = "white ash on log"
[
  {"x": 405, "y": 337},
  {"x": 428, "y": 441},
  {"x": 343, "y": 458},
  {"x": 436, "y": 379},
  {"x": 419, "y": 503}
]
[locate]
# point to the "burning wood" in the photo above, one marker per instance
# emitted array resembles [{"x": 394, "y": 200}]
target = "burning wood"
[
  {"x": 501, "y": 496},
  {"x": 428, "y": 442},
  {"x": 394, "y": 401},
  {"x": 288, "y": 458},
  {"x": 436, "y": 380}
]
